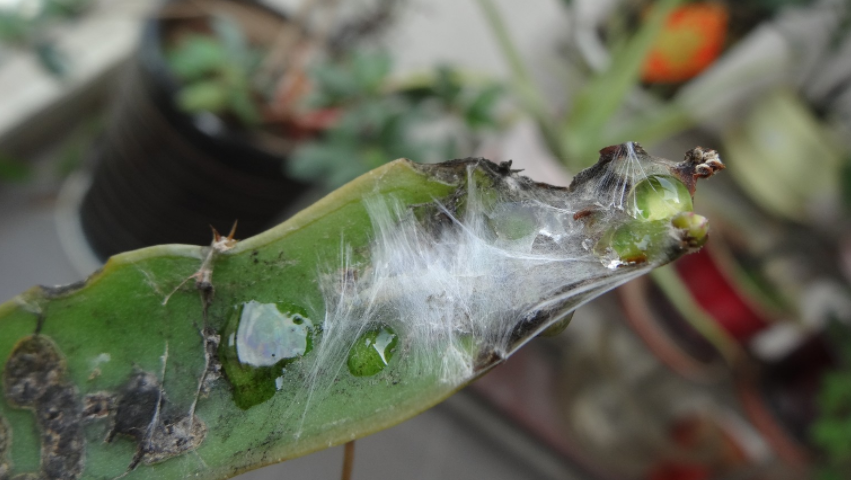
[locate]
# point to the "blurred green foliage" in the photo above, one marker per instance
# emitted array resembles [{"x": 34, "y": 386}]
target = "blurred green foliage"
[
  {"x": 13, "y": 170},
  {"x": 378, "y": 122},
  {"x": 28, "y": 25},
  {"x": 367, "y": 120},
  {"x": 216, "y": 72},
  {"x": 573, "y": 136},
  {"x": 831, "y": 432}
]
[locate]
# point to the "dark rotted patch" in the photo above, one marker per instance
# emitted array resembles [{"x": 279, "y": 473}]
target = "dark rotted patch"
[
  {"x": 173, "y": 438},
  {"x": 213, "y": 371},
  {"x": 5, "y": 441},
  {"x": 486, "y": 359},
  {"x": 143, "y": 413},
  {"x": 597, "y": 176},
  {"x": 63, "y": 441},
  {"x": 62, "y": 290},
  {"x": 98, "y": 405},
  {"x": 139, "y": 401},
  {"x": 33, "y": 366},
  {"x": 34, "y": 378}
]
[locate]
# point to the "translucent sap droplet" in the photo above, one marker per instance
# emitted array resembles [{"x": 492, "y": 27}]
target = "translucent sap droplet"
[
  {"x": 513, "y": 221},
  {"x": 262, "y": 339},
  {"x": 266, "y": 335},
  {"x": 552, "y": 225},
  {"x": 659, "y": 197},
  {"x": 372, "y": 352},
  {"x": 639, "y": 241},
  {"x": 382, "y": 343}
]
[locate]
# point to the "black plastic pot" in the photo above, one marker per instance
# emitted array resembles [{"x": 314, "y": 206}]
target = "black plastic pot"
[{"x": 160, "y": 178}]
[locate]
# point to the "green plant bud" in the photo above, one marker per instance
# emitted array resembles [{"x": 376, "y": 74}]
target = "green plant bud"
[{"x": 694, "y": 226}]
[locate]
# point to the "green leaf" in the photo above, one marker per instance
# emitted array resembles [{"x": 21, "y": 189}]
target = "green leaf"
[
  {"x": 602, "y": 97},
  {"x": 530, "y": 97},
  {"x": 14, "y": 28},
  {"x": 196, "y": 57},
  {"x": 784, "y": 157},
  {"x": 52, "y": 59},
  {"x": 845, "y": 183},
  {"x": 229, "y": 33},
  {"x": 66, "y": 8},
  {"x": 359, "y": 76},
  {"x": 370, "y": 70},
  {"x": 480, "y": 113},
  {"x": 447, "y": 86},
  {"x": 316, "y": 160},
  {"x": 205, "y": 96},
  {"x": 243, "y": 106},
  {"x": 370, "y": 306}
]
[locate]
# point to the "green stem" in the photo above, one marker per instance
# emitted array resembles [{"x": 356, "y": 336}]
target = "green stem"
[
  {"x": 528, "y": 92},
  {"x": 506, "y": 44},
  {"x": 653, "y": 127},
  {"x": 682, "y": 300},
  {"x": 603, "y": 96}
]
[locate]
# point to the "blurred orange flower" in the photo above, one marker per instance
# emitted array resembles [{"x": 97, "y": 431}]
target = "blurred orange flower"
[{"x": 691, "y": 40}]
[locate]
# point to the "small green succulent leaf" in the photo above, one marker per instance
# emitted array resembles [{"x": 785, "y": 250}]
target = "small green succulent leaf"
[
  {"x": 204, "y": 96},
  {"x": 480, "y": 112},
  {"x": 197, "y": 57}
]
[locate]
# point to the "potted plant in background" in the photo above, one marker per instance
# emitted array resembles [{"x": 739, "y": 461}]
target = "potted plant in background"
[
  {"x": 428, "y": 117},
  {"x": 158, "y": 166},
  {"x": 217, "y": 108}
]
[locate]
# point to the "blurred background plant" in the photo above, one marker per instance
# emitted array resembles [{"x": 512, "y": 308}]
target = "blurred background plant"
[
  {"x": 831, "y": 431},
  {"x": 295, "y": 104},
  {"x": 216, "y": 72},
  {"x": 31, "y": 24},
  {"x": 363, "y": 116},
  {"x": 769, "y": 81},
  {"x": 631, "y": 67},
  {"x": 428, "y": 117}
]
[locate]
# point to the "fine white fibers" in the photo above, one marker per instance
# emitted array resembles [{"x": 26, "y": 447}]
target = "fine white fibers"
[
  {"x": 621, "y": 172},
  {"x": 471, "y": 288}
]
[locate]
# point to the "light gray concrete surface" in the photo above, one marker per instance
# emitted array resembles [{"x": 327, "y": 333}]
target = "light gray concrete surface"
[{"x": 30, "y": 252}]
